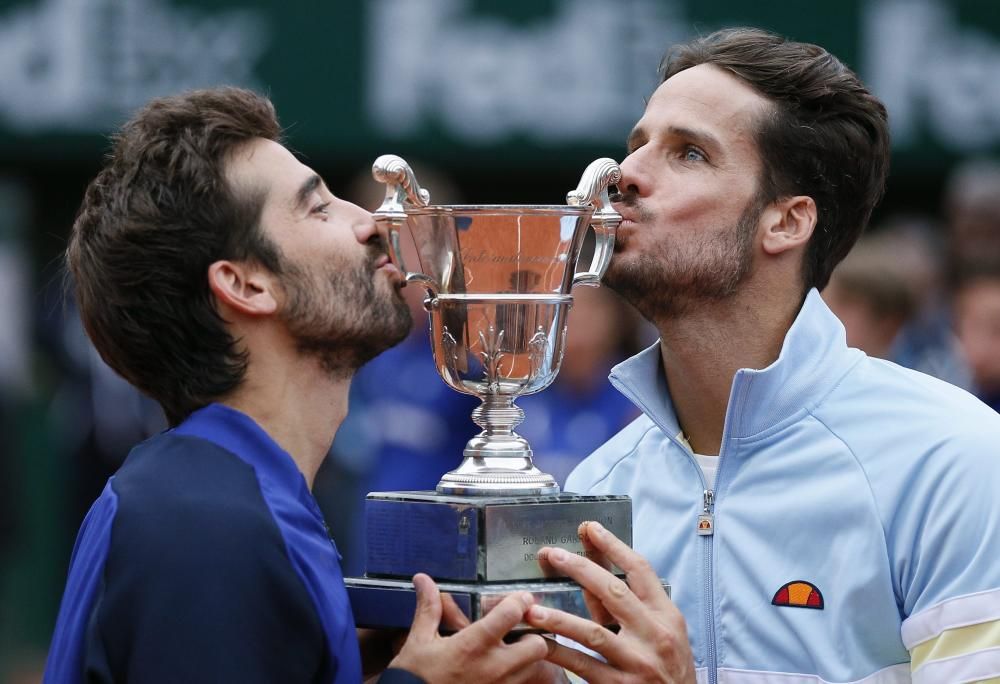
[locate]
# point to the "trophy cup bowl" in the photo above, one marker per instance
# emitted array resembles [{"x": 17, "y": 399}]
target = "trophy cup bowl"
[{"x": 499, "y": 281}]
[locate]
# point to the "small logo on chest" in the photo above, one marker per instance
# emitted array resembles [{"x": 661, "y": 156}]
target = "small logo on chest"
[{"x": 799, "y": 594}]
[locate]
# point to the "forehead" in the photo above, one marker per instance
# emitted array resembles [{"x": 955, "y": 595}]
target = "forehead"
[
  {"x": 269, "y": 166},
  {"x": 706, "y": 98}
]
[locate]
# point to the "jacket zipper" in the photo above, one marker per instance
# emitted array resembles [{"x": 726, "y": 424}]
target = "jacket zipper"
[
  {"x": 708, "y": 515},
  {"x": 737, "y": 398}
]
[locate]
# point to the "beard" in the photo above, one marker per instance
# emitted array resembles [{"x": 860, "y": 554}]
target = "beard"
[
  {"x": 341, "y": 317},
  {"x": 668, "y": 279}
]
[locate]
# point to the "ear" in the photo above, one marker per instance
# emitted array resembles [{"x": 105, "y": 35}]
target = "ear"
[
  {"x": 788, "y": 223},
  {"x": 246, "y": 288}
]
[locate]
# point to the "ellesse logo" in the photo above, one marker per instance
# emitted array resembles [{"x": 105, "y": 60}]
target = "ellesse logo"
[{"x": 799, "y": 594}]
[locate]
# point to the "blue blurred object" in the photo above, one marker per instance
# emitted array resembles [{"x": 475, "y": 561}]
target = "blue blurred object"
[{"x": 564, "y": 424}]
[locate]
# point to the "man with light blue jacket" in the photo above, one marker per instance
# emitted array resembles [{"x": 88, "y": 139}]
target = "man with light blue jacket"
[{"x": 821, "y": 515}]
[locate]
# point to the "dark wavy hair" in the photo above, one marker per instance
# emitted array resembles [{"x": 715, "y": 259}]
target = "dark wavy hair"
[
  {"x": 826, "y": 137},
  {"x": 152, "y": 221}
]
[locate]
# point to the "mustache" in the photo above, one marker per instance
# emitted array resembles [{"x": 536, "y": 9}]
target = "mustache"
[
  {"x": 376, "y": 248},
  {"x": 628, "y": 198}
]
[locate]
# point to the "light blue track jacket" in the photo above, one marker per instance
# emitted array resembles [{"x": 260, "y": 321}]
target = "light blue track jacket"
[{"x": 856, "y": 517}]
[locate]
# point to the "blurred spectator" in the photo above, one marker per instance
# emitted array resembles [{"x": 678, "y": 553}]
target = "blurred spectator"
[
  {"x": 927, "y": 342},
  {"x": 972, "y": 212},
  {"x": 870, "y": 297},
  {"x": 889, "y": 294},
  {"x": 581, "y": 409},
  {"x": 977, "y": 321}
]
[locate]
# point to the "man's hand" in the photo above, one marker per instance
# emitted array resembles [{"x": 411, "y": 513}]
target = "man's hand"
[
  {"x": 652, "y": 645},
  {"x": 476, "y": 653},
  {"x": 379, "y": 646}
]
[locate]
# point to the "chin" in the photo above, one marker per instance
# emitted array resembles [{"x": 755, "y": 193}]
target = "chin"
[
  {"x": 621, "y": 265},
  {"x": 624, "y": 245},
  {"x": 394, "y": 284}
]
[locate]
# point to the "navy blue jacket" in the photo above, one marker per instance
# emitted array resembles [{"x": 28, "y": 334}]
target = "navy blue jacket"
[{"x": 206, "y": 559}]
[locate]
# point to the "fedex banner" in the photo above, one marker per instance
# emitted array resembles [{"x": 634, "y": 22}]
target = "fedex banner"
[{"x": 524, "y": 76}]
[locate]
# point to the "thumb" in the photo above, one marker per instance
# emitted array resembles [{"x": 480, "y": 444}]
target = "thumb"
[{"x": 427, "y": 616}]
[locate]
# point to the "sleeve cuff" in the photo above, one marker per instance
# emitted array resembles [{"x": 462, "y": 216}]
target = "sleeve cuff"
[{"x": 396, "y": 676}]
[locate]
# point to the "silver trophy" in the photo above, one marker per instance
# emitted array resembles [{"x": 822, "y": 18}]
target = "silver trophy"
[{"x": 499, "y": 281}]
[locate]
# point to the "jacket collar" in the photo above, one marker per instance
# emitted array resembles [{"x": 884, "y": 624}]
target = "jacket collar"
[
  {"x": 240, "y": 435},
  {"x": 813, "y": 357}
]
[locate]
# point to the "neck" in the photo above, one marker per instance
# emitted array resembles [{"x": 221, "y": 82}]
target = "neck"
[
  {"x": 703, "y": 348},
  {"x": 298, "y": 404}
]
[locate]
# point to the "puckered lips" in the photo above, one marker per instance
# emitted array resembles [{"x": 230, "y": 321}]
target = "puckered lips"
[
  {"x": 628, "y": 214},
  {"x": 384, "y": 264},
  {"x": 628, "y": 224}
]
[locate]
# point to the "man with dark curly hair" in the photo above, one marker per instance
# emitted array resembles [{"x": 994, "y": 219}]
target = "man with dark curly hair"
[{"x": 219, "y": 275}]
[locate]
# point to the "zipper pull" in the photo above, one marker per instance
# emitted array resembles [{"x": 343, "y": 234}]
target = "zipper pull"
[{"x": 706, "y": 521}]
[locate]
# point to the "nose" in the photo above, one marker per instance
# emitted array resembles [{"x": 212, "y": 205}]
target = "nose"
[
  {"x": 632, "y": 181},
  {"x": 363, "y": 223}
]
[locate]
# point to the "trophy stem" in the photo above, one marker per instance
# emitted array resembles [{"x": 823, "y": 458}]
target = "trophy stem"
[
  {"x": 498, "y": 417},
  {"x": 498, "y": 460}
]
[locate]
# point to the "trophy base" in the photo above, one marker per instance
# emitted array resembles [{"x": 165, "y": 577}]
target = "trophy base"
[
  {"x": 478, "y": 549},
  {"x": 480, "y": 538},
  {"x": 390, "y": 604}
]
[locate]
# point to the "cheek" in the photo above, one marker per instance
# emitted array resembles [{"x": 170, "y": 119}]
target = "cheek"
[
  {"x": 704, "y": 205},
  {"x": 330, "y": 249}
]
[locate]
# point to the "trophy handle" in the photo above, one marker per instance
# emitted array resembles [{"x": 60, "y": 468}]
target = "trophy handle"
[
  {"x": 401, "y": 190},
  {"x": 593, "y": 190}
]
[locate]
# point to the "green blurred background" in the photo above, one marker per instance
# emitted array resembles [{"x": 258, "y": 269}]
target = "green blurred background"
[{"x": 506, "y": 99}]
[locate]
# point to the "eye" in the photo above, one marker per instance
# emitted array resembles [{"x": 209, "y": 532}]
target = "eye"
[
  {"x": 693, "y": 154},
  {"x": 322, "y": 209}
]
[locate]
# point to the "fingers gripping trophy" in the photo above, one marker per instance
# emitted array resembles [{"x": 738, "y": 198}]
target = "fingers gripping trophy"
[{"x": 499, "y": 281}]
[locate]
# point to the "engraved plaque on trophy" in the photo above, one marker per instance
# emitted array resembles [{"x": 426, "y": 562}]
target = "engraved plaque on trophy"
[{"x": 499, "y": 281}]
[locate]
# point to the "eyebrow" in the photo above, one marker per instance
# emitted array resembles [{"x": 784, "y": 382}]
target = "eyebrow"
[
  {"x": 634, "y": 136},
  {"x": 306, "y": 189},
  {"x": 701, "y": 138}
]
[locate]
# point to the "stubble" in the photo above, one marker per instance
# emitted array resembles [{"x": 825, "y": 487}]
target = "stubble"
[
  {"x": 670, "y": 278},
  {"x": 342, "y": 317}
]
